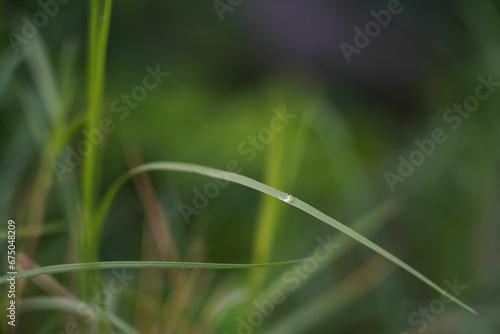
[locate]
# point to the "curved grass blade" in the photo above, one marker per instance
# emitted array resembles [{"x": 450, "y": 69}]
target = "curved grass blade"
[
  {"x": 250, "y": 183},
  {"x": 72, "y": 267},
  {"x": 368, "y": 224}
]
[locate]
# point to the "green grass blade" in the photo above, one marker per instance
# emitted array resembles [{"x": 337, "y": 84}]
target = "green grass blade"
[
  {"x": 248, "y": 182},
  {"x": 350, "y": 232},
  {"x": 269, "y": 212},
  {"x": 9, "y": 62},
  {"x": 100, "y": 19},
  {"x": 12, "y": 170},
  {"x": 368, "y": 224},
  {"x": 90, "y": 266},
  {"x": 281, "y": 169},
  {"x": 43, "y": 74}
]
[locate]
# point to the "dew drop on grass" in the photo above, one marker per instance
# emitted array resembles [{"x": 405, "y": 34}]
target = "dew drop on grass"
[{"x": 286, "y": 197}]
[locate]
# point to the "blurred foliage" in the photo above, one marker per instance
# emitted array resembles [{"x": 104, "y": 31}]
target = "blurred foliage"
[{"x": 225, "y": 80}]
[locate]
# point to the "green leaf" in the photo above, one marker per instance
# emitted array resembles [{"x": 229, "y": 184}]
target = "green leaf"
[
  {"x": 72, "y": 267},
  {"x": 250, "y": 183}
]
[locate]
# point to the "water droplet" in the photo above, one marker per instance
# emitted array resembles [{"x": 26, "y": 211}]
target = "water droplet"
[{"x": 286, "y": 197}]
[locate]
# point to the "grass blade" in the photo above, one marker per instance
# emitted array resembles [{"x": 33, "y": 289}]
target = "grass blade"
[
  {"x": 368, "y": 224},
  {"x": 72, "y": 267},
  {"x": 248, "y": 182}
]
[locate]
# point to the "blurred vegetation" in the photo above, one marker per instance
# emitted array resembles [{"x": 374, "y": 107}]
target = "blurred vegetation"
[{"x": 225, "y": 79}]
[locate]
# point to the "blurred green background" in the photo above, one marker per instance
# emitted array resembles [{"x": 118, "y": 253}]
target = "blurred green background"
[{"x": 353, "y": 121}]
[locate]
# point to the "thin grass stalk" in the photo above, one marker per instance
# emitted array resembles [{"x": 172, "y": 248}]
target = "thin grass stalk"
[
  {"x": 107, "y": 265},
  {"x": 88, "y": 240},
  {"x": 281, "y": 170},
  {"x": 293, "y": 201},
  {"x": 98, "y": 38}
]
